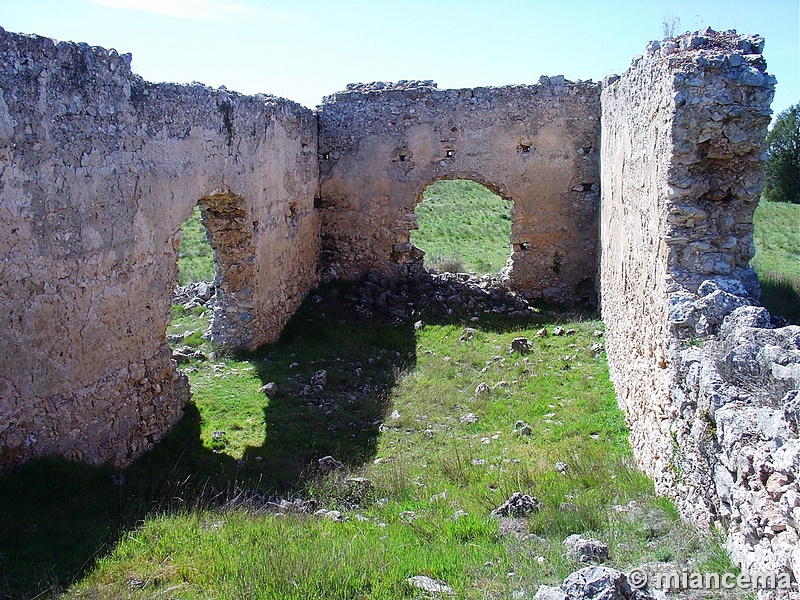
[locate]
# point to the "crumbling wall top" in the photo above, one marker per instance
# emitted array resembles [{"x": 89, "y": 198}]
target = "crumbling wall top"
[
  {"x": 702, "y": 375},
  {"x": 421, "y": 89}
]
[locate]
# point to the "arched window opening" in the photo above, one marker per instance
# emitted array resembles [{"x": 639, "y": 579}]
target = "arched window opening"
[
  {"x": 229, "y": 230},
  {"x": 195, "y": 256},
  {"x": 463, "y": 228},
  {"x": 190, "y": 314}
]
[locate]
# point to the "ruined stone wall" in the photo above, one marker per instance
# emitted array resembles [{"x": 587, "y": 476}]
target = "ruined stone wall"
[
  {"x": 536, "y": 146},
  {"x": 98, "y": 169},
  {"x": 707, "y": 382}
]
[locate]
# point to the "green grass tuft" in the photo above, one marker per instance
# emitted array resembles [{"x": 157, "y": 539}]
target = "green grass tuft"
[
  {"x": 181, "y": 522},
  {"x": 392, "y": 411}
]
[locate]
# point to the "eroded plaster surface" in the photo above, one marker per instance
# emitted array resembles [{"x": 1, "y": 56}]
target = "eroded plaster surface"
[
  {"x": 98, "y": 169},
  {"x": 708, "y": 380}
]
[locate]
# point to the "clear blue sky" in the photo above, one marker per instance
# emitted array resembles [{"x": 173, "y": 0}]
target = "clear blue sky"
[{"x": 305, "y": 49}]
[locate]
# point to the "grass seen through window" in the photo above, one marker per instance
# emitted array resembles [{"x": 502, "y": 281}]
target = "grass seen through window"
[{"x": 463, "y": 227}]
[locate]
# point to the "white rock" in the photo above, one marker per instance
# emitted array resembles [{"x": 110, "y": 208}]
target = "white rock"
[{"x": 431, "y": 586}]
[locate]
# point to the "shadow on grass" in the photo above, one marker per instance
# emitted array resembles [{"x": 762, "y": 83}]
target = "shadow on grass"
[
  {"x": 334, "y": 369},
  {"x": 779, "y": 295},
  {"x": 58, "y": 518}
]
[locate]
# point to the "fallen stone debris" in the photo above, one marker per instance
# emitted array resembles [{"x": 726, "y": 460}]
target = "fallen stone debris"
[
  {"x": 194, "y": 294},
  {"x": 520, "y": 345},
  {"x": 586, "y": 550},
  {"x": 184, "y": 354},
  {"x": 439, "y": 295},
  {"x": 518, "y": 505},
  {"x": 429, "y": 585},
  {"x": 326, "y": 464},
  {"x": 597, "y": 583}
]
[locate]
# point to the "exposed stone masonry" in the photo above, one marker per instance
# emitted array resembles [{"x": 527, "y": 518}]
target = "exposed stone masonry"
[
  {"x": 708, "y": 385},
  {"x": 736, "y": 402}
]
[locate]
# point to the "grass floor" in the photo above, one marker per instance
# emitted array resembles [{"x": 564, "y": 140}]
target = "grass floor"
[
  {"x": 398, "y": 408},
  {"x": 464, "y": 227}
]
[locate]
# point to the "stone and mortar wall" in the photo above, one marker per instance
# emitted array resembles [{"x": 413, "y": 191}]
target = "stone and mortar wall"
[
  {"x": 535, "y": 145},
  {"x": 98, "y": 170},
  {"x": 707, "y": 380}
]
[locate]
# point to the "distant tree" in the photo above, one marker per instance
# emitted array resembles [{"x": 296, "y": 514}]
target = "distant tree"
[{"x": 782, "y": 182}]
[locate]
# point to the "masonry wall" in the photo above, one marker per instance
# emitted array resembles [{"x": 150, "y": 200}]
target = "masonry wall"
[
  {"x": 536, "y": 146},
  {"x": 708, "y": 381},
  {"x": 98, "y": 169}
]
